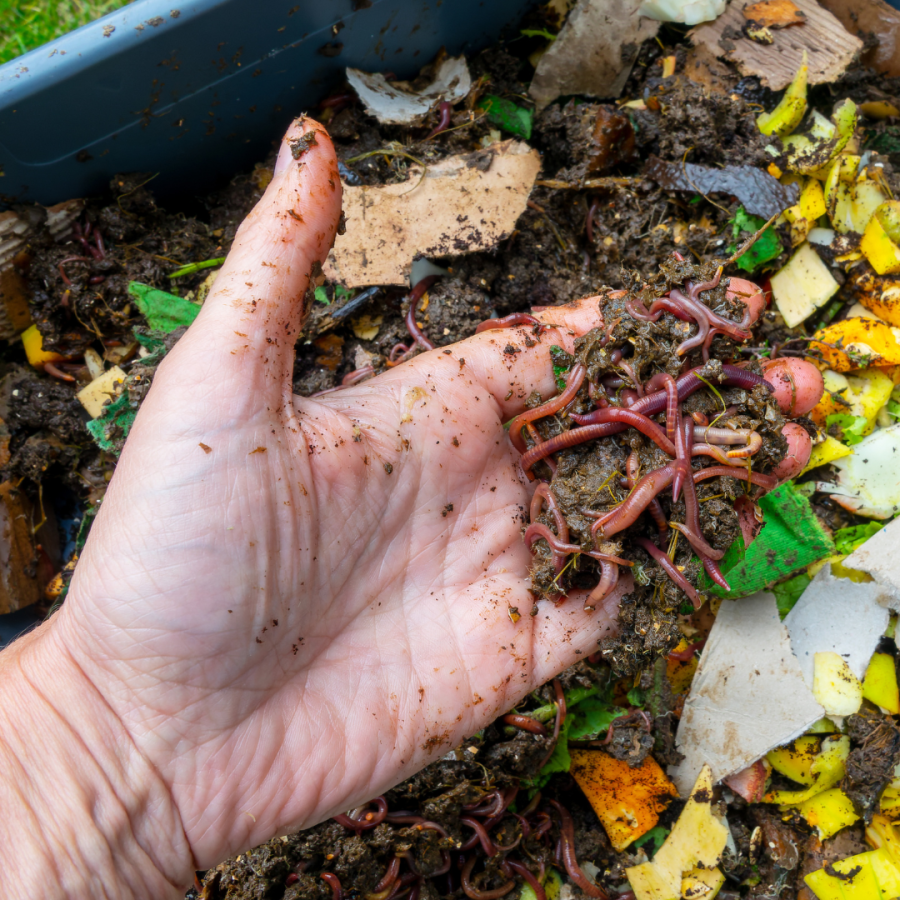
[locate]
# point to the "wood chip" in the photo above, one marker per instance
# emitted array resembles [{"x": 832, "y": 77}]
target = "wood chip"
[
  {"x": 460, "y": 206},
  {"x": 594, "y": 52},
  {"x": 774, "y": 13},
  {"x": 830, "y": 46}
]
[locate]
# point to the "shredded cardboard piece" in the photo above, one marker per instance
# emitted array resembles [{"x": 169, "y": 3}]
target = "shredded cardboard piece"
[
  {"x": 878, "y": 556},
  {"x": 702, "y": 67},
  {"x": 393, "y": 105},
  {"x": 464, "y": 204},
  {"x": 831, "y": 48},
  {"x": 593, "y": 53},
  {"x": 747, "y": 697},
  {"x": 875, "y": 17},
  {"x": 837, "y": 615}
]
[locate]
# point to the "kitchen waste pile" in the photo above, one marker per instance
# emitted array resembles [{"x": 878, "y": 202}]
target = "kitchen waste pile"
[{"x": 723, "y": 180}]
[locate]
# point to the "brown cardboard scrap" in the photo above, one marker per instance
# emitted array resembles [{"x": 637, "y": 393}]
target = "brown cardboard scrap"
[
  {"x": 702, "y": 67},
  {"x": 393, "y": 104},
  {"x": 464, "y": 204},
  {"x": 594, "y": 52},
  {"x": 830, "y": 47},
  {"x": 748, "y": 694},
  {"x": 873, "y": 17}
]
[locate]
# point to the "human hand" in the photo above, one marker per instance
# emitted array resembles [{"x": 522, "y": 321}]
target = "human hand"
[{"x": 288, "y": 605}]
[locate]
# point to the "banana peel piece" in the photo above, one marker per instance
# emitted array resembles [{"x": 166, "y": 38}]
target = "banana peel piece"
[
  {"x": 826, "y": 771},
  {"x": 809, "y": 153},
  {"x": 877, "y": 245},
  {"x": 856, "y": 343},
  {"x": 695, "y": 843},
  {"x": 866, "y": 876},
  {"x": 791, "y": 108}
]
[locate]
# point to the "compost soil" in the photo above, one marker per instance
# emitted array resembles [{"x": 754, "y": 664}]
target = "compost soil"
[{"x": 569, "y": 243}]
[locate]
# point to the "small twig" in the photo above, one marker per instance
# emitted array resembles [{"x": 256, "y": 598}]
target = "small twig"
[{"x": 190, "y": 268}]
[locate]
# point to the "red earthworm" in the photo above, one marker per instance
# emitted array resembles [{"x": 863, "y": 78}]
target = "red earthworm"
[
  {"x": 560, "y": 719},
  {"x": 525, "y": 723},
  {"x": 673, "y": 411},
  {"x": 445, "y": 865},
  {"x": 403, "y": 883},
  {"x": 669, "y": 568},
  {"x": 357, "y": 375},
  {"x": 96, "y": 279},
  {"x": 567, "y": 837},
  {"x": 725, "y": 435},
  {"x": 609, "y": 578},
  {"x": 545, "y": 824},
  {"x": 597, "y": 395},
  {"x": 98, "y": 240},
  {"x": 524, "y": 825},
  {"x": 714, "y": 572},
  {"x": 629, "y": 371},
  {"x": 416, "y": 890},
  {"x": 512, "y": 321},
  {"x": 688, "y": 652},
  {"x": 512, "y": 867},
  {"x": 767, "y": 482},
  {"x": 481, "y": 836},
  {"x": 616, "y": 356},
  {"x": 473, "y": 892},
  {"x": 589, "y": 221},
  {"x": 687, "y": 384},
  {"x": 537, "y": 531},
  {"x": 337, "y": 892},
  {"x": 415, "y": 821},
  {"x": 700, "y": 419},
  {"x": 536, "y": 438},
  {"x": 612, "y": 415},
  {"x": 691, "y": 527},
  {"x": 337, "y": 100},
  {"x": 368, "y": 821},
  {"x": 655, "y": 508},
  {"x": 293, "y": 878},
  {"x": 70, "y": 259},
  {"x": 386, "y": 886},
  {"x": 51, "y": 369},
  {"x": 638, "y": 500},
  {"x": 717, "y": 453},
  {"x": 542, "y": 495},
  {"x": 444, "y": 122},
  {"x": 506, "y": 798},
  {"x": 495, "y": 800},
  {"x": 574, "y": 380},
  {"x": 415, "y": 295},
  {"x": 754, "y": 442}
]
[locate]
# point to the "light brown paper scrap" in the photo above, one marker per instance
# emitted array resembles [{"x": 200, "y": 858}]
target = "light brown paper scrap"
[{"x": 464, "y": 204}]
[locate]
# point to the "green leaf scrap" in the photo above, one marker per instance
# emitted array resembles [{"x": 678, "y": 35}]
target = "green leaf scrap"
[
  {"x": 507, "y": 115},
  {"x": 787, "y": 593},
  {"x": 591, "y": 717},
  {"x": 110, "y": 430},
  {"x": 163, "y": 311},
  {"x": 321, "y": 296},
  {"x": 791, "y": 539},
  {"x": 846, "y": 540},
  {"x": 850, "y": 427},
  {"x": 767, "y": 247},
  {"x": 655, "y": 837}
]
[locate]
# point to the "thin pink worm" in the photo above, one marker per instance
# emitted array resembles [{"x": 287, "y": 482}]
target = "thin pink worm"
[
  {"x": 525, "y": 873},
  {"x": 670, "y": 569},
  {"x": 570, "y": 861},
  {"x": 512, "y": 321},
  {"x": 767, "y": 482},
  {"x": 637, "y": 501},
  {"x": 609, "y": 578},
  {"x": 473, "y": 893},
  {"x": 655, "y": 508},
  {"x": 753, "y": 444},
  {"x": 537, "y": 531},
  {"x": 729, "y": 436},
  {"x": 543, "y": 495},
  {"x": 574, "y": 380},
  {"x": 717, "y": 453}
]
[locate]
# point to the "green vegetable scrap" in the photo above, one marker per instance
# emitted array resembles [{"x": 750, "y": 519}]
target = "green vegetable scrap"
[
  {"x": 164, "y": 312},
  {"x": 851, "y": 428},
  {"x": 652, "y": 840},
  {"x": 510, "y": 117},
  {"x": 787, "y": 593},
  {"x": 790, "y": 540},
  {"x": 538, "y": 32},
  {"x": 190, "y": 268},
  {"x": 766, "y": 248},
  {"x": 846, "y": 540},
  {"x": 321, "y": 296},
  {"x": 592, "y": 717},
  {"x": 110, "y": 430}
]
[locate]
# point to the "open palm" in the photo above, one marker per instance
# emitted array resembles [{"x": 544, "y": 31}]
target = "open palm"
[{"x": 293, "y": 604}]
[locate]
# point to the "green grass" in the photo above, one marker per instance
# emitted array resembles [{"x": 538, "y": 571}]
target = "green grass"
[{"x": 24, "y": 26}]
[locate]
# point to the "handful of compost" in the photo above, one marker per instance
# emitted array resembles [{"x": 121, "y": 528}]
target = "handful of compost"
[{"x": 663, "y": 436}]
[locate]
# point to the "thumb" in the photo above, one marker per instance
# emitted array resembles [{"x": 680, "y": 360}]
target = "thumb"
[{"x": 261, "y": 297}]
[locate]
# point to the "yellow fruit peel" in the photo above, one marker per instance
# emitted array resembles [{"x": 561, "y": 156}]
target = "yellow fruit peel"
[
  {"x": 791, "y": 108},
  {"x": 33, "y": 344},
  {"x": 828, "y": 812},
  {"x": 856, "y": 343},
  {"x": 826, "y": 771},
  {"x": 880, "y": 683}
]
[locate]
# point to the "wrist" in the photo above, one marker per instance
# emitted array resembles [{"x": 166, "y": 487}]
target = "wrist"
[{"x": 82, "y": 812}]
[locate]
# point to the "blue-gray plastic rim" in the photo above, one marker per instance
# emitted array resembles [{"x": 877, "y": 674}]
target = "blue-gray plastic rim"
[{"x": 194, "y": 92}]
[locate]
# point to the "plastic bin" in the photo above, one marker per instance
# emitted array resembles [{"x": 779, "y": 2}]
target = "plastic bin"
[{"x": 198, "y": 91}]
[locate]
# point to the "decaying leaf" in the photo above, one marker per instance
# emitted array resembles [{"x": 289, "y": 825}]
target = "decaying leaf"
[
  {"x": 463, "y": 204},
  {"x": 594, "y": 52},
  {"x": 760, "y": 193}
]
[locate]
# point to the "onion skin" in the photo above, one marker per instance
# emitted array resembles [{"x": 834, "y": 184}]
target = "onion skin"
[{"x": 798, "y": 384}]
